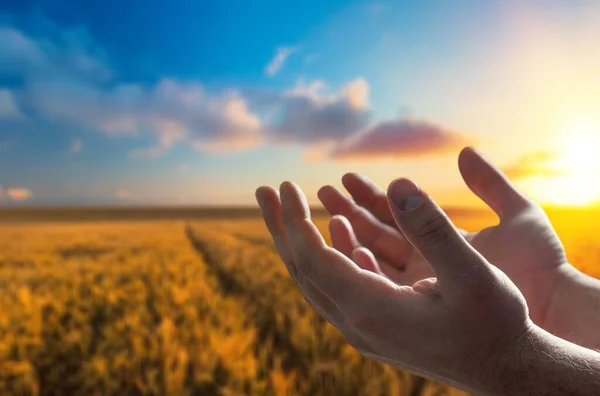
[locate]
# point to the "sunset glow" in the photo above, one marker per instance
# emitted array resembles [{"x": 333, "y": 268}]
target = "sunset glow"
[
  {"x": 576, "y": 167},
  {"x": 179, "y": 108}
]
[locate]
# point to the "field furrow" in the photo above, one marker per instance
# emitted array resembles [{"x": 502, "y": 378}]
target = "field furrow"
[{"x": 290, "y": 334}]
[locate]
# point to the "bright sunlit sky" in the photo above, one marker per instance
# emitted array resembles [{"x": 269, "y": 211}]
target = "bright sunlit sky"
[{"x": 199, "y": 102}]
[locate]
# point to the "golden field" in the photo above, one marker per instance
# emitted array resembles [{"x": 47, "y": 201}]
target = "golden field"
[{"x": 185, "y": 304}]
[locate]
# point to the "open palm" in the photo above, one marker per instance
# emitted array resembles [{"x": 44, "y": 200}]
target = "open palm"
[{"x": 523, "y": 245}]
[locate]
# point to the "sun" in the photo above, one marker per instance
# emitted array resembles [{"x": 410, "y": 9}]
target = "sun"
[{"x": 576, "y": 168}]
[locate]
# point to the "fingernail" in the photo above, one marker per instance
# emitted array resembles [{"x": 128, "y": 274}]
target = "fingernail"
[{"x": 406, "y": 195}]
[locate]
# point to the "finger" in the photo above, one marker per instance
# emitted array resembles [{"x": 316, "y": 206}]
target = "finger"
[
  {"x": 342, "y": 235},
  {"x": 330, "y": 271},
  {"x": 270, "y": 205},
  {"x": 490, "y": 184},
  {"x": 369, "y": 196},
  {"x": 384, "y": 241},
  {"x": 366, "y": 260},
  {"x": 432, "y": 233}
]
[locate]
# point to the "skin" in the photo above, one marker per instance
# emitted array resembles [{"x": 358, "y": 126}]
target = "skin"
[
  {"x": 468, "y": 326},
  {"x": 523, "y": 245}
]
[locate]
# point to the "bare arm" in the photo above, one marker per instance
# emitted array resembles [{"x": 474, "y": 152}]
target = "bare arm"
[
  {"x": 574, "y": 312},
  {"x": 545, "y": 365}
]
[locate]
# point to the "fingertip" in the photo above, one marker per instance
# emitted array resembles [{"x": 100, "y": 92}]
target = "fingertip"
[
  {"x": 262, "y": 192},
  {"x": 334, "y": 226},
  {"x": 405, "y": 194},
  {"x": 286, "y": 186},
  {"x": 349, "y": 177},
  {"x": 467, "y": 155},
  {"x": 339, "y": 220},
  {"x": 354, "y": 181},
  {"x": 288, "y": 191},
  {"x": 365, "y": 259},
  {"x": 324, "y": 192}
]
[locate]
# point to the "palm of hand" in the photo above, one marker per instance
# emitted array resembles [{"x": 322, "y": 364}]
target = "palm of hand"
[{"x": 527, "y": 249}]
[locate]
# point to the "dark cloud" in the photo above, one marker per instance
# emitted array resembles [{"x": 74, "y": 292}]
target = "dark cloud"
[{"x": 400, "y": 139}]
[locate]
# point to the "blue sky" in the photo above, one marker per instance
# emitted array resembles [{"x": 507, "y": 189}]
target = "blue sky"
[{"x": 194, "y": 102}]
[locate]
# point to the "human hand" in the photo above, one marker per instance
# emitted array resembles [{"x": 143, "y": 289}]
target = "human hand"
[
  {"x": 460, "y": 328},
  {"x": 523, "y": 245}
]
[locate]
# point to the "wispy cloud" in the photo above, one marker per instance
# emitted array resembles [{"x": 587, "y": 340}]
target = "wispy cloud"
[
  {"x": 538, "y": 163},
  {"x": 310, "y": 59},
  {"x": 281, "y": 56},
  {"x": 68, "y": 84},
  {"x": 8, "y": 105}
]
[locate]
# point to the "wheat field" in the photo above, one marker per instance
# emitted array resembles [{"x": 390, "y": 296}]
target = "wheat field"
[{"x": 185, "y": 307}]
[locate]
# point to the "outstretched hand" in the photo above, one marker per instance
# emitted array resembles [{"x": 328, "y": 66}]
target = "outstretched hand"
[
  {"x": 457, "y": 327},
  {"x": 523, "y": 245}
]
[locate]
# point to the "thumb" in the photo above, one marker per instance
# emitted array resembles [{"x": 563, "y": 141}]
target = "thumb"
[
  {"x": 490, "y": 184},
  {"x": 431, "y": 232}
]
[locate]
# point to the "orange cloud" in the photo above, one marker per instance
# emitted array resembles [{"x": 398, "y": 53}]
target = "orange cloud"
[
  {"x": 125, "y": 195},
  {"x": 533, "y": 164},
  {"x": 16, "y": 194},
  {"x": 400, "y": 139}
]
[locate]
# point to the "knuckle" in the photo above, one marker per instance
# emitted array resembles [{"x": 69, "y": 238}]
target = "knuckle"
[{"x": 434, "y": 228}]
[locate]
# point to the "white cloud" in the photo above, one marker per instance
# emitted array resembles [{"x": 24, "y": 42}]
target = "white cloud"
[
  {"x": 278, "y": 61},
  {"x": 8, "y": 105},
  {"x": 67, "y": 83},
  {"x": 69, "y": 53}
]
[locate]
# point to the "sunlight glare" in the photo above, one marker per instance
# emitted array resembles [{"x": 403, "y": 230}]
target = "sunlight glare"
[{"x": 577, "y": 166}]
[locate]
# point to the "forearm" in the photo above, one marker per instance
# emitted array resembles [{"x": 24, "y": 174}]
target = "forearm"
[
  {"x": 547, "y": 365},
  {"x": 575, "y": 310}
]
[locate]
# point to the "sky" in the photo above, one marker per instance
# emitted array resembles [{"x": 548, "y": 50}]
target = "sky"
[{"x": 199, "y": 102}]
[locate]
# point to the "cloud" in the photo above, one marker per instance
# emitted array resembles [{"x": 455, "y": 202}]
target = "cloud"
[
  {"x": 175, "y": 112},
  {"x": 66, "y": 81},
  {"x": 55, "y": 53},
  {"x": 278, "y": 61},
  {"x": 124, "y": 195},
  {"x": 400, "y": 139},
  {"x": 538, "y": 163},
  {"x": 15, "y": 194},
  {"x": 8, "y": 105},
  {"x": 75, "y": 146},
  {"x": 68, "y": 85},
  {"x": 307, "y": 114},
  {"x": 310, "y": 59}
]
